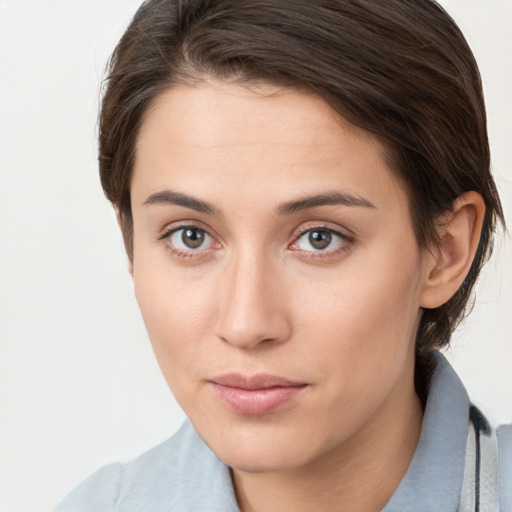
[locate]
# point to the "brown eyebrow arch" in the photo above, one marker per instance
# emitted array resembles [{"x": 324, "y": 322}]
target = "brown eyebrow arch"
[
  {"x": 325, "y": 199},
  {"x": 177, "y": 198}
]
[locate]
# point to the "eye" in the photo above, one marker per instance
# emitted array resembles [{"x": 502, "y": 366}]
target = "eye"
[
  {"x": 321, "y": 240},
  {"x": 189, "y": 238}
]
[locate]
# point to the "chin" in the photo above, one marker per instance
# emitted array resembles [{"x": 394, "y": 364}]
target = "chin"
[
  {"x": 264, "y": 459},
  {"x": 260, "y": 450}
]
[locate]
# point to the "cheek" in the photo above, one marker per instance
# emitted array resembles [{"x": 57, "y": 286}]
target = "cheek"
[
  {"x": 364, "y": 320},
  {"x": 363, "y": 298},
  {"x": 173, "y": 301},
  {"x": 176, "y": 314}
]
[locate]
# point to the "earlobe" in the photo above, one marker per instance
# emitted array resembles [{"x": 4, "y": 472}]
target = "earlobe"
[{"x": 449, "y": 262}]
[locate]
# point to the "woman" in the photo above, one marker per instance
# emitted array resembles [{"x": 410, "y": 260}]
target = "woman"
[{"x": 306, "y": 201}]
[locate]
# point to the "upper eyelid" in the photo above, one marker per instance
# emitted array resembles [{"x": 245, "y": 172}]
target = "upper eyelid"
[
  {"x": 345, "y": 236},
  {"x": 173, "y": 227},
  {"x": 327, "y": 226},
  {"x": 341, "y": 236},
  {"x": 165, "y": 237},
  {"x": 344, "y": 233},
  {"x": 320, "y": 228}
]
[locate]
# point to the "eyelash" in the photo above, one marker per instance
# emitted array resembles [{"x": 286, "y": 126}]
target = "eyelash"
[
  {"x": 346, "y": 241},
  {"x": 166, "y": 235}
]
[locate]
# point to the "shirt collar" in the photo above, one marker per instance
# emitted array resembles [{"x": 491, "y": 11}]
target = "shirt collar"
[
  {"x": 434, "y": 477},
  {"x": 436, "y": 472}
]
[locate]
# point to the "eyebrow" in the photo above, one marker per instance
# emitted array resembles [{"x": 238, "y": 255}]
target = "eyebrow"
[
  {"x": 304, "y": 203},
  {"x": 324, "y": 199},
  {"x": 177, "y": 198}
]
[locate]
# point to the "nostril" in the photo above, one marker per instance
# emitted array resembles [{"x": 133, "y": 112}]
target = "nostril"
[
  {"x": 250, "y": 307},
  {"x": 274, "y": 330}
]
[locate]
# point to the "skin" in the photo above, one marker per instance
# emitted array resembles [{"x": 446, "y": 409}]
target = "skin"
[{"x": 257, "y": 297}]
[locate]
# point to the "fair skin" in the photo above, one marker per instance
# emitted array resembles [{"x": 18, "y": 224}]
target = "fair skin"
[{"x": 235, "y": 273}]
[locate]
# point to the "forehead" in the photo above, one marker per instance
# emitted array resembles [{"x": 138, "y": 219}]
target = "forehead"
[
  {"x": 219, "y": 113},
  {"x": 218, "y": 134}
]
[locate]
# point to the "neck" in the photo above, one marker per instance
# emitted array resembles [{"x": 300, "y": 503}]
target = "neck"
[{"x": 359, "y": 475}]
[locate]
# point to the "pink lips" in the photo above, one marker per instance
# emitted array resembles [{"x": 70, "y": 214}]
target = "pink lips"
[{"x": 254, "y": 396}]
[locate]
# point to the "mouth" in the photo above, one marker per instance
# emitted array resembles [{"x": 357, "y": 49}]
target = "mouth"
[{"x": 256, "y": 395}]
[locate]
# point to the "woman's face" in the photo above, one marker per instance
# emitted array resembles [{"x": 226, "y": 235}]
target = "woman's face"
[{"x": 277, "y": 272}]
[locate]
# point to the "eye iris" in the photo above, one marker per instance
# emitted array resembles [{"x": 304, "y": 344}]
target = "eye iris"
[
  {"x": 320, "y": 239},
  {"x": 193, "y": 238}
]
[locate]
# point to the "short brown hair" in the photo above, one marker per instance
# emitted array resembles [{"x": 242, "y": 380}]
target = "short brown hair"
[{"x": 400, "y": 69}]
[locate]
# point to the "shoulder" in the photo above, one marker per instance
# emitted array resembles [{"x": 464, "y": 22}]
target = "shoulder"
[
  {"x": 175, "y": 475},
  {"x": 99, "y": 492},
  {"x": 504, "y": 434}
]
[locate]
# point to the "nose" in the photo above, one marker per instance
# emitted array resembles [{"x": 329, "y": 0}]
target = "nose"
[{"x": 252, "y": 304}]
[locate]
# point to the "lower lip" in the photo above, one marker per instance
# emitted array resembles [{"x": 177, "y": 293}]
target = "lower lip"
[{"x": 255, "y": 402}]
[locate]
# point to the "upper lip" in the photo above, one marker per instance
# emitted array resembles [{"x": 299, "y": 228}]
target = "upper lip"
[{"x": 260, "y": 381}]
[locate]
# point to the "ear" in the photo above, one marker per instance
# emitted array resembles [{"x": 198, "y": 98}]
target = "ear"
[
  {"x": 120, "y": 224},
  {"x": 449, "y": 262}
]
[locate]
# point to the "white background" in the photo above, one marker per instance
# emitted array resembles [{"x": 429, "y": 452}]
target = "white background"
[{"x": 79, "y": 386}]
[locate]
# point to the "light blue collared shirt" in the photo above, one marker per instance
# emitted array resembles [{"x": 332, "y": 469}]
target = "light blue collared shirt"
[{"x": 184, "y": 475}]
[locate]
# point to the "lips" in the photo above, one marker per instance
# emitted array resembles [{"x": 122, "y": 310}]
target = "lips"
[{"x": 256, "y": 395}]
